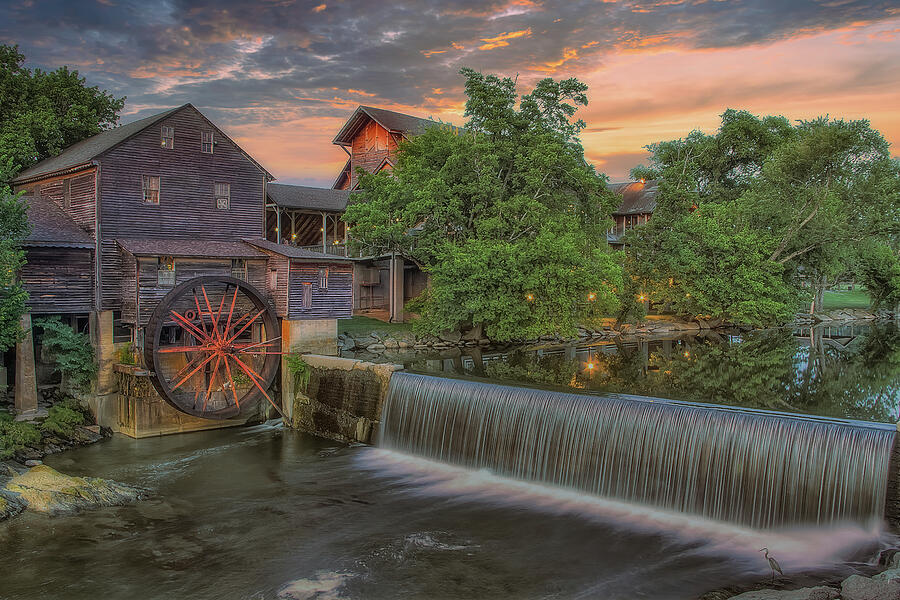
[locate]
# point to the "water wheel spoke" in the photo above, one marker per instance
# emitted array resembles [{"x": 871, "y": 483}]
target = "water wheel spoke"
[
  {"x": 233, "y": 386},
  {"x": 191, "y": 374},
  {"x": 199, "y": 311},
  {"x": 253, "y": 375},
  {"x": 230, "y": 310},
  {"x": 190, "y": 327},
  {"x": 171, "y": 349},
  {"x": 212, "y": 378},
  {"x": 215, "y": 329},
  {"x": 245, "y": 347},
  {"x": 248, "y": 324}
]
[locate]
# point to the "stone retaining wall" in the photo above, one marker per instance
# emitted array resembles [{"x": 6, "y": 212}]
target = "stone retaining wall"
[{"x": 343, "y": 398}]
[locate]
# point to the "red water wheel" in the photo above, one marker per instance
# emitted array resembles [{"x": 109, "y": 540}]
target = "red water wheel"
[{"x": 212, "y": 346}]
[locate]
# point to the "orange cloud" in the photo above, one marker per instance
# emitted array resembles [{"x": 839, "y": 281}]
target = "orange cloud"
[
  {"x": 457, "y": 46},
  {"x": 430, "y": 53},
  {"x": 360, "y": 92},
  {"x": 500, "y": 40},
  {"x": 549, "y": 67},
  {"x": 319, "y": 8}
]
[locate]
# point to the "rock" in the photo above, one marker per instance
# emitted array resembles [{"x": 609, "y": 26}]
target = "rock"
[
  {"x": 888, "y": 575},
  {"x": 45, "y": 490},
  {"x": 11, "y": 504},
  {"x": 376, "y": 347},
  {"x": 94, "y": 428},
  {"x": 857, "y": 587},
  {"x": 452, "y": 337},
  {"x": 33, "y": 463},
  {"x": 704, "y": 324},
  {"x": 391, "y": 343},
  {"x": 814, "y": 593}
]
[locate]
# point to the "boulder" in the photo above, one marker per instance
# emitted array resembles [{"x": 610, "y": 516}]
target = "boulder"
[
  {"x": 813, "y": 593},
  {"x": 857, "y": 587},
  {"x": 376, "y": 347},
  {"x": 892, "y": 573},
  {"x": 391, "y": 343},
  {"x": 45, "y": 490},
  {"x": 11, "y": 504},
  {"x": 452, "y": 337}
]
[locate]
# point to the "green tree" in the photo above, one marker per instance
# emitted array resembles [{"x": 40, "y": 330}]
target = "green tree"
[
  {"x": 13, "y": 230},
  {"x": 744, "y": 215},
  {"x": 44, "y": 112},
  {"x": 879, "y": 271},
  {"x": 505, "y": 216}
]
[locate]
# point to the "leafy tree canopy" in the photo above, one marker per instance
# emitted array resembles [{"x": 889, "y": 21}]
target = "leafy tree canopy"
[
  {"x": 506, "y": 216},
  {"x": 44, "y": 112},
  {"x": 791, "y": 201},
  {"x": 13, "y": 229}
]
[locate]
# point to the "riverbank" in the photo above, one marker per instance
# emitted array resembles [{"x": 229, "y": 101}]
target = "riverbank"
[
  {"x": 880, "y": 582},
  {"x": 358, "y": 341}
]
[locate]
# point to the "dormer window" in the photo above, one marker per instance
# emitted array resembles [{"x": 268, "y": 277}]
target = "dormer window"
[
  {"x": 206, "y": 142},
  {"x": 150, "y": 185},
  {"x": 167, "y": 137},
  {"x": 223, "y": 196}
]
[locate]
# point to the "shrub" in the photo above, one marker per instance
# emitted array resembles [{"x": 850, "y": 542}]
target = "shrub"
[
  {"x": 62, "y": 420},
  {"x": 299, "y": 369},
  {"x": 71, "y": 352},
  {"x": 125, "y": 355},
  {"x": 16, "y": 436}
]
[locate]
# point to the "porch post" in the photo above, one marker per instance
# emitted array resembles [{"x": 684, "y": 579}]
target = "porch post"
[
  {"x": 324, "y": 233},
  {"x": 277, "y": 224},
  {"x": 26, "y": 379},
  {"x": 396, "y": 290}
]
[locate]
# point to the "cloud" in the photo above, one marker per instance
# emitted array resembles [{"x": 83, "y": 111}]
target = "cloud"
[
  {"x": 499, "y": 41},
  {"x": 276, "y": 64}
]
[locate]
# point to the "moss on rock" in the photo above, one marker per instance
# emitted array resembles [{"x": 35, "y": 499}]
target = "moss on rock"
[{"x": 46, "y": 490}]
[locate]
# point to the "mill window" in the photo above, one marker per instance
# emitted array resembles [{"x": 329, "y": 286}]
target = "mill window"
[
  {"x": 239, "y": 268},
  {"x": 150, "y": 184},
  {"x": 323, "y": 279},
  {"x": 165, "y": 271},
  {"x": 167, "y": 137},
  {"x": 223, "y": 196},
  {"x": 206, "y": 142}
]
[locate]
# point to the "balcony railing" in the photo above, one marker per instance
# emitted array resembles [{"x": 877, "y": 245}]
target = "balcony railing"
[{"x": 332, "y": 249}]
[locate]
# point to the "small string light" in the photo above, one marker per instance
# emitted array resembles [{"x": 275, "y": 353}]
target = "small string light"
[
  {"x": 592, "y": 296},
  {"x": 529, "y": 297}
]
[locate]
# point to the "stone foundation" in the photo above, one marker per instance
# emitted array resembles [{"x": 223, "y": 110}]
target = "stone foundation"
[
  {"x": 343, "y": 398},
  {"x": 142, "y": 413}
]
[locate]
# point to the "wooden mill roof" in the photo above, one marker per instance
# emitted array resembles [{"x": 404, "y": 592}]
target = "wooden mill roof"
[
  {"x": 294, "y": 252},
  {"x": 189, "y": 248},
  {"x": 301, "y": 197},
  {"x": 395, "y": 122},
  {"x": 80, "y": 154},
  {"x": 51, "y": 226},
  {"x": 637, "y": 198}
]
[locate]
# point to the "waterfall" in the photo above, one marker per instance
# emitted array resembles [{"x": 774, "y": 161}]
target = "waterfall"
[{"x": 749, "y": 467}]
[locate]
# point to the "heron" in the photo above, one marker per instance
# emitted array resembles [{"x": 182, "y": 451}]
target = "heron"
[{"x": 773, "y": 564}]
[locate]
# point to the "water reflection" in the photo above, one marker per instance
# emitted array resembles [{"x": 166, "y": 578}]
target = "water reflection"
[{"x": 851, "y": 371}]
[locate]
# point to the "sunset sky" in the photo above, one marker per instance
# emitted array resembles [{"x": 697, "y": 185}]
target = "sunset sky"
[{"x": 281, "y": 76}]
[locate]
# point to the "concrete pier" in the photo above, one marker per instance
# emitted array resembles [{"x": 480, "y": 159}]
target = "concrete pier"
[{"x": 26, "y": 400}]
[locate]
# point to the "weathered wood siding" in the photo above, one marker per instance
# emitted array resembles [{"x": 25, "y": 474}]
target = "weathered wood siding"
[
  {"x": 334, "y": 303},
  {"x": 187, "y": 206},
  {"x": 128, "y": 271},
  {"x": 278, "y": 292},
  {"x": 187, "y": 268},
  {"x": 58, "y": 280},
  {"x": 370, "y": 147},
  {"x": 75, "y": 194}
]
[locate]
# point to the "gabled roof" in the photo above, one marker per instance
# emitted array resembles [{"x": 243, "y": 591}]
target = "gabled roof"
[
  {"x": 294, "y": 252},
  {"x": 303, "y": 197},
  {"x": 51, "y": 226},
  {"x": 189, "y": 248},
  {"x": 637, "y": 197},
  {"x": 82, "y": 153},
  {"x": 406, "y": 125},
  {"x": 344, "y": 174}
]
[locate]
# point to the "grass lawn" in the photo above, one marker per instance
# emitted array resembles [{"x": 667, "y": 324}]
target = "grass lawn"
[
  {"x": 362, "y": 325},
  {"x": 857, "y": 298}
]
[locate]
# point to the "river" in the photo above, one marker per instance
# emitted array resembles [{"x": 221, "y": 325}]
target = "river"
[{"x": 263, "y": 513}]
